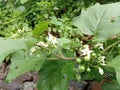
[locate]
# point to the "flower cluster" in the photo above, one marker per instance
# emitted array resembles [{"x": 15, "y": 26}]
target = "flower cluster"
[
  {"x": 99, "y": 46},
  {"x": 42, "y": 44},
  {"x": 89, "y": 58},
  {"x": 32, "y": 50},
  {"x": 102, "y": 60},
  {"x": 86, "y": 51},
  {"x": 51, "y": 39}
]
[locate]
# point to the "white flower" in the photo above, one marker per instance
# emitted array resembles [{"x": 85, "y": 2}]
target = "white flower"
[
  {"x": 102, "y": 60},
  {"x": 32, "y": 50},
  {"x": 86, "y": 51},
  {"x": 51, "y": 39},
  {"x": 101, "y": 71},
  {"x": 81, "y": 42},
  {"x": 42, "y": 44},
  {"x": 99, "y": 46}
]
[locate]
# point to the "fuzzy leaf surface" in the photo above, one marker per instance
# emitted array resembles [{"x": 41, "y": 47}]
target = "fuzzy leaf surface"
[{"x": 99, "y": 20}]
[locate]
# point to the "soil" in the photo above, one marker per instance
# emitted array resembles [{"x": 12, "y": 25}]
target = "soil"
[{"x": 85, "y": 85}]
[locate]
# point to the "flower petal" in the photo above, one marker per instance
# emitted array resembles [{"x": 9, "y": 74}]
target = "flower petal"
[{"x": 101, "y": 71}]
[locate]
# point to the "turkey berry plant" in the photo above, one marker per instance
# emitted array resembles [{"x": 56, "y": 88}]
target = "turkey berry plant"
[{"x": 61, "y": 49}]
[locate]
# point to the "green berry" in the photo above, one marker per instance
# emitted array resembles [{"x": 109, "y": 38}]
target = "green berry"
[
  {"x": 88, "y": 69},
  {"x": 81, "y": 68},
  {"x": 93, "y": 54},
  {"x": 78, "y": 60},
  {"x": 86, "y": 58}
]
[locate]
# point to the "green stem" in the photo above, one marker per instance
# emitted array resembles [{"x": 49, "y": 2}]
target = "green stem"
[
  {"x": 107, "y": 48},
  {"x": 52, "y": 58},
  {"x": 63, "y": 57},
  {"x": 60, "y": 56}
]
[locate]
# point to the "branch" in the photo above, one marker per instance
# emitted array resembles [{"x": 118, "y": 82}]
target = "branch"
[
  {"x": 59, "y": 56},
  {"x": 63, "y": 57}
]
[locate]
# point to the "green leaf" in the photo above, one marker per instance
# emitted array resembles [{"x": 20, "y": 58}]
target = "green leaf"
[
  {"x": 99, "y": 20},
  {"x": 55, "y": 21},
  {"x": 30, "y": 42},
  {"x": 21, "y": 66},
  {"x": 22, "y": 62},
  {"x": 54, "y": 78},
  {"x": 115, "y": 63},
  {"x": 18, "y": 55},
  {"x": 93, "y": 74},
  {"x": 40, "y": 27},
  {"x": 23, "y": 1},
  {"x": 8, "y": 46},
  {"x": 68, "y": 53},
  {"x": 64, "y": 43}
]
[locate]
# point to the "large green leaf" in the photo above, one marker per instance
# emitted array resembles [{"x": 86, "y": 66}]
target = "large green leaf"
[
  {"x": 40, "y": 27},
  {"x": 20, "y": 65},
  {"x": 99, "y": 20},
  {"x": 8, "y": 46},
  {"x": 115, "y": 63},
  {"x": 55, "y": 75},
  {"x": 22, "y": 62}
]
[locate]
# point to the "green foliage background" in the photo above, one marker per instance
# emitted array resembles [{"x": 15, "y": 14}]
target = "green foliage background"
[{"x": 32, "y": 18}]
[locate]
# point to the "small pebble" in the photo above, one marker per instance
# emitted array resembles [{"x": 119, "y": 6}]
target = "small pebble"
[{"x": 28, "y": 88}]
